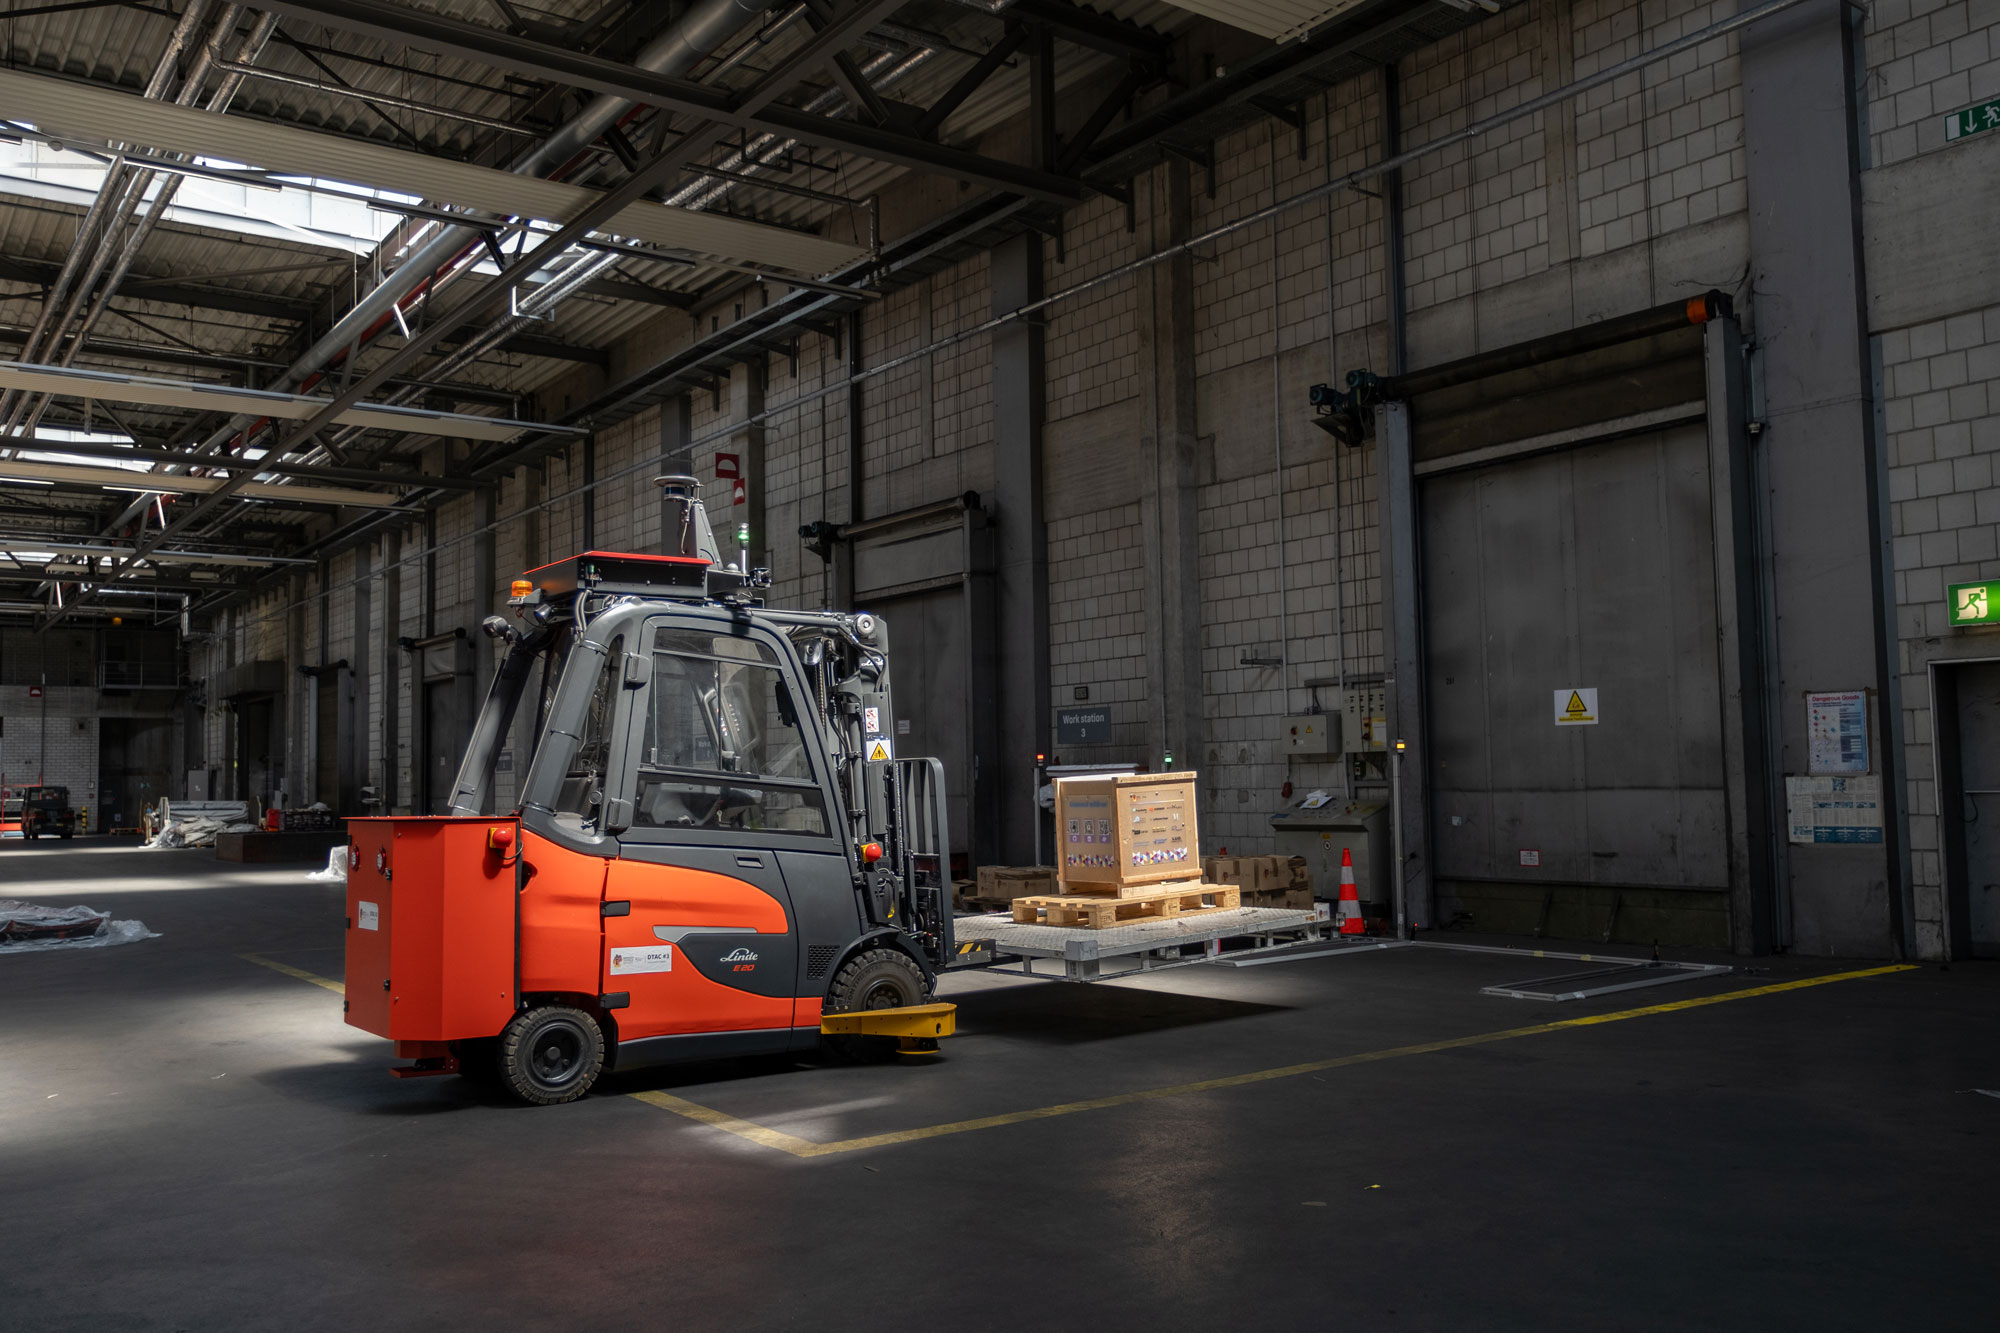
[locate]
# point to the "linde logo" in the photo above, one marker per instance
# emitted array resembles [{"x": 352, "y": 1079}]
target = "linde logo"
[{"x": 739, "y": 956}]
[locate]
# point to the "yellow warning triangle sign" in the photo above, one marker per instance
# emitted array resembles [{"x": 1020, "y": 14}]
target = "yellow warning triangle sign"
[
  {"x": 878, "y": 752},
  {"x": 1575, "y": 708}
]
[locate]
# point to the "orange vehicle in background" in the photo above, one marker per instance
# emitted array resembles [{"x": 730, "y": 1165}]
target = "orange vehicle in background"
[{"x": 714, "y": 851}]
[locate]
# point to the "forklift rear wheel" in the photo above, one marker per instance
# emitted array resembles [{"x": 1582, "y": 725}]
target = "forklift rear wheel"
[
  {"x": 873, "y": 979},
  {"x": 551, "y": 1054}
]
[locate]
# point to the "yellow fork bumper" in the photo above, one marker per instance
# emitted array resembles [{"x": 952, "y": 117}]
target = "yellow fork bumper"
[{"x": 912, "y": 1025}]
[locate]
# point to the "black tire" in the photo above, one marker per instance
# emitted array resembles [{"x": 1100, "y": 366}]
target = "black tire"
[
  {"x": 28, "y": 831},
  {"x": 873, "y": 979},
  {"x": 67, "y": 834},
  {"x": 551, "y": 1054}
]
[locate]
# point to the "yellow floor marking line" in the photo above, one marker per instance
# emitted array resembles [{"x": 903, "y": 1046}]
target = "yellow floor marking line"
[
  {"x": 336, "y": 987},
  {"x": 798, "y": 1147}
]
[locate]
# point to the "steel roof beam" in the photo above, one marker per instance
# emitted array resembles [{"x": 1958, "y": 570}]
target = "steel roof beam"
[
  {"x": 168, "y": 292},
  {"x": 1083, "y": 27},
  {"x": 524, "y": 55},
  {"x": 120, "y": 453}
]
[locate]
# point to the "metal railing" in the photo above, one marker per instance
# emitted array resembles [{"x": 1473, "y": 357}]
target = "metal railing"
[{"x": 138, "y": 676}]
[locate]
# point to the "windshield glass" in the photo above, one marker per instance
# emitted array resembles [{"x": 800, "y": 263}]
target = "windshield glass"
[{"x": 723, "y": 745}]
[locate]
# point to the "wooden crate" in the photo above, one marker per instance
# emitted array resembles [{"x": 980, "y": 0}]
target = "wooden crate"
[
  {"x": 1268, "y": 873},
  {"x": 1095, "y": 912},
  {"x": 1126, "y": 829}
]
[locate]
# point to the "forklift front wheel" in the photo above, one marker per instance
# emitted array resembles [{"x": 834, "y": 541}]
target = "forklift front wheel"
[
  {"x": 873, "y": 979},
  {"x": 551, "y": 1054}
]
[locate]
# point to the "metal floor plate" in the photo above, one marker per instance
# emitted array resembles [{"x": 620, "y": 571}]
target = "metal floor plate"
[{"x": 1009, "y": 936}]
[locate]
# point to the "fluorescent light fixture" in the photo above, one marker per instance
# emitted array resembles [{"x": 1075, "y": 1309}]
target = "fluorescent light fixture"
[
  {"x": 117, "y": 387},
  {"x": 44, "y": 474}
]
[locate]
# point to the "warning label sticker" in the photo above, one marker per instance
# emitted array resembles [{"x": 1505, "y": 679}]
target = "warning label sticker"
[
  {"x": 878, "y": 751},
  {"x": 641, "y": 958},
  {"x": 871, "y": 721},
  {"x": 367, "y": 916},
  {"x": 1576, "y": 706}
]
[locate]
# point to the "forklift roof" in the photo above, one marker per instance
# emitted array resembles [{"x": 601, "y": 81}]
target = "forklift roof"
[{"x": 617, "y": 572}]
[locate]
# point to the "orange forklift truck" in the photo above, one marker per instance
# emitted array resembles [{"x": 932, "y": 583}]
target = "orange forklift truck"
[{"x": 715, "y": 851}]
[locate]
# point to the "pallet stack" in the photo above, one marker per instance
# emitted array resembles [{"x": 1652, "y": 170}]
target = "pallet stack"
[
  {"x": 998, "y": 886},
  {"x": 1264, "y": 881},
  {"x": 1127, "y": 851}
]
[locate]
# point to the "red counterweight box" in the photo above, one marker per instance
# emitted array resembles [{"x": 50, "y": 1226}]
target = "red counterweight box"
[{"x": 430, "y": 927}]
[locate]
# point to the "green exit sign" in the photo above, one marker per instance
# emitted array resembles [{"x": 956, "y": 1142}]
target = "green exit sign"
[
  {"x": 1975, "y": 603},
  {"x": 1973, "y": 119}
]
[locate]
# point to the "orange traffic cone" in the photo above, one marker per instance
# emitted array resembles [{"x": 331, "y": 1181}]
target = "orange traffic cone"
[{"x": 1350, "y": 897}]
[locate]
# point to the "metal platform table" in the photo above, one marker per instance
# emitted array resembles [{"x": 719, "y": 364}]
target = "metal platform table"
[{"x": 996, "y": 942}]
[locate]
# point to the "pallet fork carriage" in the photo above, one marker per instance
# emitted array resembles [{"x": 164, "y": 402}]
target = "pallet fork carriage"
[{"x": 713, "y": 852}]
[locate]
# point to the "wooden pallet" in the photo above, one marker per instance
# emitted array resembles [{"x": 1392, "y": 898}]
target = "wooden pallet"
[
  {"x": 1093, "y": 912},
  {"x": 1290, "y": 899},
  {"x": 1128, "y": 891}
]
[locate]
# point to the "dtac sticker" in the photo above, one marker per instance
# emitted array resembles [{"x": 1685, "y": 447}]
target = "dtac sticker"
[{"x": 628, "y": 960}]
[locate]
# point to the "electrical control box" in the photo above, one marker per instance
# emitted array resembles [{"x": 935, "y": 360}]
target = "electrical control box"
[
  {"x": 1310, "y": 734},
  {"x": 1364, "y": 719}
]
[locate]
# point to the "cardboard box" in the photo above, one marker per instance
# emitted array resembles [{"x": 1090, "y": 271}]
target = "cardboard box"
[
  {"x": 1006, "y": 883},
  {"x": 1126, "y": 829},
  {"x": 1301, "y": 873},
  {"x": 1269, "y": 873},
  {"x": 1222, "y": 870}
]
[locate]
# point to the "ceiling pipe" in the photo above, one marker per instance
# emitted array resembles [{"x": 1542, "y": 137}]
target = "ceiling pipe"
[{"x": 889, "y": 67}]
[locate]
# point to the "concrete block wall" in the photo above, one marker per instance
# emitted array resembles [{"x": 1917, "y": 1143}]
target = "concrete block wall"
[
  {"x": 1941, "y": 407},
  {"x": 1926, "y": 59},
  {"x": 1090, "y": 350},
  {"x": 805, "y": 468},
  {"x": 50, "y": 740},
  {"x": 927, "y": 426},
  {"x": 1662, "y": 149},
  {"x": 1475, "y": 213},
  {"x": 1097, "y": 625}
]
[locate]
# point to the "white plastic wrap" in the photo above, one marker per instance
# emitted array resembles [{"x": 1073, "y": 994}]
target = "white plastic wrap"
[
  {"x": 19, "y": 919},
  {"x": 336, "y": 867},
  {"x": 196, "y": 831}
]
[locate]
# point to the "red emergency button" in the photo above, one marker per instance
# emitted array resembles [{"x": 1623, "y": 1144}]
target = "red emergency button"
[
  {"x": 871, "y": 852},
  {"x": 499, "y": 838}
]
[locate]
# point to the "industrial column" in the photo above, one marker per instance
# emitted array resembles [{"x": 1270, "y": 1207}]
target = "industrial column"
[
  {"x": 1022, "y": 583},
  {"x": 676, "y": 458},
  {"x": 1403, "y": 660},
  {"x": 1822, "y": 461},
  {"x": 391, "y": 669},
  {"x": 1168, "y": 510}
]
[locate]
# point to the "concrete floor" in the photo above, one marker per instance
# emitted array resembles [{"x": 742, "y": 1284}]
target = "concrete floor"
[{"x": 189, "y": 1140}]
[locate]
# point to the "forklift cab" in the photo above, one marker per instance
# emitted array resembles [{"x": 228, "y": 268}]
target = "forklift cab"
[{"x": 703, "y": 860}]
